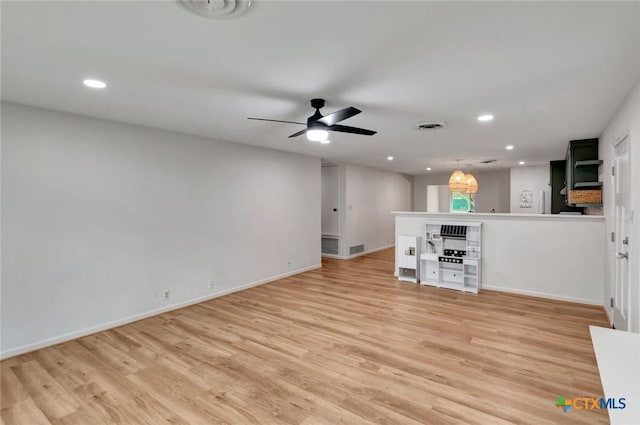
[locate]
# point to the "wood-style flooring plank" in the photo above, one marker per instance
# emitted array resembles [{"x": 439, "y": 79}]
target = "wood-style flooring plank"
[{"x": 345, "y": 344}]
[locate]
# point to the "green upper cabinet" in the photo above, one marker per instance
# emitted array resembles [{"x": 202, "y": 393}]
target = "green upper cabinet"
[{"x": 582, "y": 165}]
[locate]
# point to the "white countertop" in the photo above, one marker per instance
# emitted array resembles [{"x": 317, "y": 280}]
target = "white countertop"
[
  {"x": 475, "y": 216},
  {"x": 617, "y": 353}
]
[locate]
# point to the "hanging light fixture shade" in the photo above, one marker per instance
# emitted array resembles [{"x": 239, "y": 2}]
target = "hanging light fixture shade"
[
  {"x": 472, "y": 183},
  {"x": 457, "y": 182}
]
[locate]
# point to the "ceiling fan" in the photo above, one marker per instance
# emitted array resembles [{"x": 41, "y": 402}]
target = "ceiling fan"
[{"x": 318, "y": 125}]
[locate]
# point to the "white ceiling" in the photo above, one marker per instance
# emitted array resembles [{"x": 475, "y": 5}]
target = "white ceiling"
[{"x": 548, "y": 71}]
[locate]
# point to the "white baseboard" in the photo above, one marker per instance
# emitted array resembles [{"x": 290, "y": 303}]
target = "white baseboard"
[
  {"x": 542, "y": 295},
  {"x": 349, "y": 257},
  {"x": 335, "y": 257},
  {"x": 11, "y": 352}
]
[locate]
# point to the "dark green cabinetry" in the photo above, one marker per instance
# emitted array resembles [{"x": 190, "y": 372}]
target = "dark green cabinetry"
[
  {"x": 582, "y": 171},
  {"x": 557, "y": 181}
]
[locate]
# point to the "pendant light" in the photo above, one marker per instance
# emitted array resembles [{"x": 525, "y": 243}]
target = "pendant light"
[
  {"x": 457, "y": 182},
  {"x": 472, "y": 183}
]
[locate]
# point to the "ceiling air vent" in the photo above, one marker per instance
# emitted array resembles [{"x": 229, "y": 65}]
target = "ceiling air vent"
[
  {"x": 488, "y": 161},
  {"x": 431, "y": 125},
  {"x": 218, "y": 9}
]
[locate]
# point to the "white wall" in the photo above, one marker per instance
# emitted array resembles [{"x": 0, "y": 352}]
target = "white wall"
[
  {"x": 533, "y": 179},
  {"x": 553, "y": 256},
  {"x": 493, "y": 189},
  {"x": 369, "y": 196},
  {"x": 625, "y": 121},
  {"x": 100, "y": 218},
  {"x": 438, "y": 198}
]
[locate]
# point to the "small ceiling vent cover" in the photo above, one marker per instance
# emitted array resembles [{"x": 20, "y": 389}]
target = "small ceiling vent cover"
[
  {"x": 431, "y": 125},
  {"x": 218, "y": 9}
]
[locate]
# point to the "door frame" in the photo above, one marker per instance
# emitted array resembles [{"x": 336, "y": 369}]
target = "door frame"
[
  {"x": 338, "y": 195},
  {"x": 615, "y": 316}
]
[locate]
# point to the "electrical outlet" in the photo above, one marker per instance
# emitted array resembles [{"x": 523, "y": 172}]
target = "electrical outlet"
[
  {"x": 212, "y": 284},
  {"x": 289, "y": 264},
  {"x": 167, "y": 294}
]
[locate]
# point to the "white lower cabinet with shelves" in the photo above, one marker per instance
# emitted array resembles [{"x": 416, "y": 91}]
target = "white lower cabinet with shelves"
[
  {"x": 451, "y": 257},
  {"x": 463, "y": 278}
]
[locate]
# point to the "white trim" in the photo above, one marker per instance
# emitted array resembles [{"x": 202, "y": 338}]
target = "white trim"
[
  {"x": 608, "y": 313},
  {"x": 515, "y": 216},
  {"x": 542, "y": 295},
  {"x": 115, "y": 323},
  {"x": 335, "y": 256},
  {"x": 620, "y": 139},
  {"x": 339, "y": 206},
  {"x": 349, "y": 257}
]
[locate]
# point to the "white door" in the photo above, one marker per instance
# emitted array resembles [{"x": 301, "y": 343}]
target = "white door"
[
  {"x": 622, "y": 228},
  {"x": 330, "y": 201}
]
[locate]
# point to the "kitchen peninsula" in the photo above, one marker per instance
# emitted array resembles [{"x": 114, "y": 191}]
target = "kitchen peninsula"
[{"x": 551, "y": 256}]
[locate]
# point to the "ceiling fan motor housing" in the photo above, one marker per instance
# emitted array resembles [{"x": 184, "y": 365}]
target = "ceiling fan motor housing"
[
  {"x": 317, "y": 103},
  {"x": 312, "y": 121}
]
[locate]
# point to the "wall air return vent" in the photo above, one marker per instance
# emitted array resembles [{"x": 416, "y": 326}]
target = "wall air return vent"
[
  {"x": 218, "y": 9},
  {"x": 329, "y": 245},
  {"x": 431, "y": 125},
  {"x": 356, "y": 249}
]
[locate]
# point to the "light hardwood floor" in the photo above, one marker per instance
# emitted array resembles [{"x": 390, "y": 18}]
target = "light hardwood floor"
[{"x": 345, "y": 344}]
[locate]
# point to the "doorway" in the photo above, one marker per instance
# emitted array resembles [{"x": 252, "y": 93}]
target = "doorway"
[
  {"x": 620, "y": 301},
  {"x": 330, "y": 206},
  {"x": 330, "y": 201}
]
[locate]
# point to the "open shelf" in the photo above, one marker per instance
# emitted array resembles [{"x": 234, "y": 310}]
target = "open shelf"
[
  {"x": 589, "y": 163},
  {"x": 407, "y": 275},
  {"x": 582, "y": 172},
  {"x": 587, "y": 184},
  {"x": 588, "y": 205}
]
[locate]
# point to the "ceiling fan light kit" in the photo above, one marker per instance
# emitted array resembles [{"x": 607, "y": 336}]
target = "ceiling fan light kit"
[
  {"x": 318, "y": 125},
  {"x": 317, "y": 134}
]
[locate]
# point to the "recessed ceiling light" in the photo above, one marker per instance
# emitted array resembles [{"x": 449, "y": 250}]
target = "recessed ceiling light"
[
  {"x": 325, "y": 141},
  {"x": 428, "y": 168},
  {"x": 509, "y": 147},
  {"x": 389, "y": 158},
  {"x": 521, "y": 163},
  {"x": 485, "y": 117},
  {"x": 95, "y": 84}
]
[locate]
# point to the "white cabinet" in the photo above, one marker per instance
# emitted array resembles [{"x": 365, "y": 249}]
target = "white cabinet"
[
  {"x": 430, "y": 269},
  {"x": 452, "y": 255},
  {"x": 453, "y": 276},
  {"x": 408, "y": 251},
  {"x": 472, "y": 274}
]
